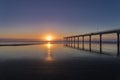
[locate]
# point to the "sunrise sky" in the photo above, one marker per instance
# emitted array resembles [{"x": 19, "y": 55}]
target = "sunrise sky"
[{"x": 36, "y": 19}]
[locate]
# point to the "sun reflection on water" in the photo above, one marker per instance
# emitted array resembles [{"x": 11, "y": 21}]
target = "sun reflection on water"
[{"x": 49, "y": 55}]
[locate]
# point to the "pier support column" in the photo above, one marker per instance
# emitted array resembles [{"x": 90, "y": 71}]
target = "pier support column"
[
  {"x": 89, "y": 42},
  {"x": 68, "y": 41},
  {"x": 100, "y": 43},
  {"x": 78, "y": 39},
  {"x": 78, "y": 42},
  {"x": 74, "y": 41},
  {"x": 118, "y": 44},
  {"x": 83, "y": 42},
  {"x": 71, "y": 41}
]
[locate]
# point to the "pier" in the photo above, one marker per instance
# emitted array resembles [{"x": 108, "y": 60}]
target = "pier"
[{"x": 76, "y": 39}]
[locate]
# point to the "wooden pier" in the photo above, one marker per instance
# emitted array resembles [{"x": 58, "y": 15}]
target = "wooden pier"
[{"x": 72, "y": 39}]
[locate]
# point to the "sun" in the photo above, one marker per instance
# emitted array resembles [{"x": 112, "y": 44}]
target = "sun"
[{"x": 49, "y": 38}]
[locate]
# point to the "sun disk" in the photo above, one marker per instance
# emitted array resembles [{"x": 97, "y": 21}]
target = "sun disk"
[{"x": 49, "y": 38}]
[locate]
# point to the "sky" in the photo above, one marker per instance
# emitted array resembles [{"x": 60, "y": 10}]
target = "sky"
[{"x": 34, "y": 19}]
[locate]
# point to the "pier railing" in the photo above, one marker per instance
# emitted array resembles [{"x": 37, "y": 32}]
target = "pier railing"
[{"x": 72, "y": 39}]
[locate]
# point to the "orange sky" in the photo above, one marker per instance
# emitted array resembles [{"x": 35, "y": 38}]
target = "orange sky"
[{"x": 31, "y": 36}]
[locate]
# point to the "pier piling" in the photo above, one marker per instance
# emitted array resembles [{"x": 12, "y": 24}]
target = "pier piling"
[
  {"x": 83, "y": 42},
  {"x": 100, "y": 43},
  {"x": 89, "y": 42},
  {"x": 118, "y": 44}
]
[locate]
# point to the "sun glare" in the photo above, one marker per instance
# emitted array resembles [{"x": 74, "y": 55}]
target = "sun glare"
[{"x": 49, "y": 38}]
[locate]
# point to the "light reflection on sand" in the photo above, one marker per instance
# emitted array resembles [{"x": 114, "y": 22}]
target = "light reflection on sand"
[{"x": 49, "y": 54}]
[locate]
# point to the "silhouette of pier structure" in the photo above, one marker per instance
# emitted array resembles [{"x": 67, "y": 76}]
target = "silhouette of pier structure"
[{"x": 76, "y": 39}]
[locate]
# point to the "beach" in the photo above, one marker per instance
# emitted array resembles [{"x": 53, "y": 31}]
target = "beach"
[{"x": 56, "y": 62}]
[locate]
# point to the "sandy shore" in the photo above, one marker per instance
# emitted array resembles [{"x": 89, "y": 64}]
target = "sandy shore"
[{"x": 77, "y": 69}]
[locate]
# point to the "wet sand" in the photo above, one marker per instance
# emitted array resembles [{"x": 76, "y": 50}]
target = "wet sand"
[
  {"x": 77, "y": 69},
  {"x": 21, "y": 63}
]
